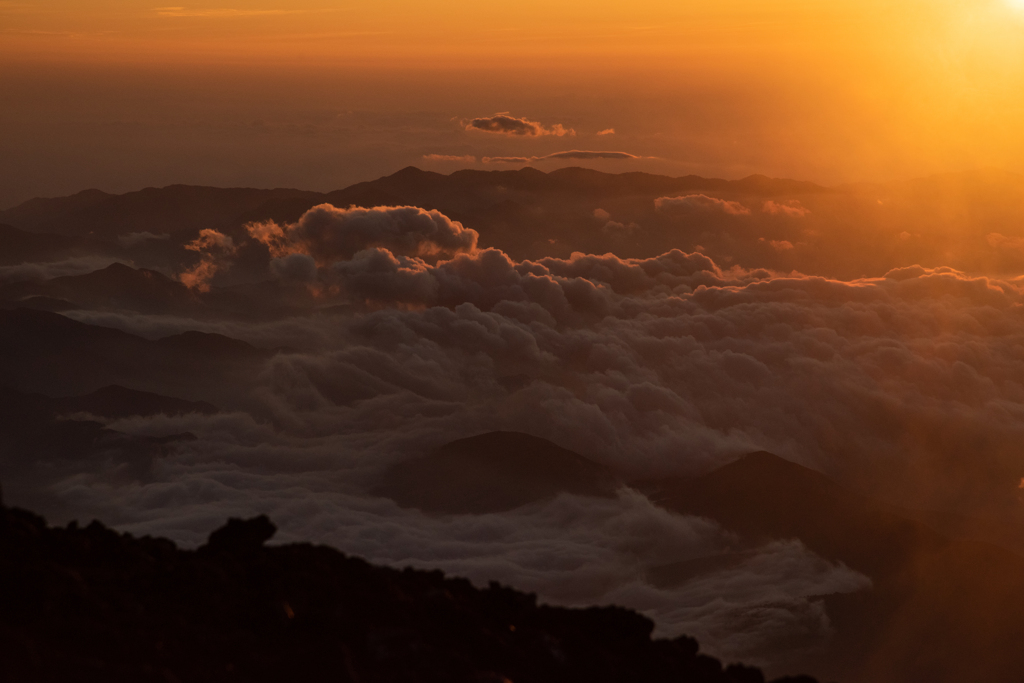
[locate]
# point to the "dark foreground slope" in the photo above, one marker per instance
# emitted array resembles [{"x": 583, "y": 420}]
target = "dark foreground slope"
[{"x": 89, "y": 604}]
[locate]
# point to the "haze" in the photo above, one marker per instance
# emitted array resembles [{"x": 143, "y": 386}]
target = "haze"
[{"x": 122, "y": 95}]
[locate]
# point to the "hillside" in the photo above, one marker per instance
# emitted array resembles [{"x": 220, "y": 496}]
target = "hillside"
[{"x": 89, "y": 604}]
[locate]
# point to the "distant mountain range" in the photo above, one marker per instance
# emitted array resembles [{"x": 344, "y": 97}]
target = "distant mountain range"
[{"x": 847, "y": 231}]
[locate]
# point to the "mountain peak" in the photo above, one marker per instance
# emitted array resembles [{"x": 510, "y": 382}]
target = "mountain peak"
[{"x": 492, "y": 472}]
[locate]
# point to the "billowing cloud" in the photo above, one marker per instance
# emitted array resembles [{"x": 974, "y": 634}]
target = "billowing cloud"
[
  {"x": 792, "y": 208},
  {"x": 570, "y": 154},
  {"x": 697, "y": 203},
  {"x": 464, "y": 159},
  {"x": 329, "y": 234},
  {"x": 909, "y": 385},
  {"x": 505, "y": 124},
  {"x": 294, "y": 268},
  {"x": 214, "y": 248}
]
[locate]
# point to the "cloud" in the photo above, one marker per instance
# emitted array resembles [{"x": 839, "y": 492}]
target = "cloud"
[
  {"x": 214, "y": 249},
  {"x": 908, "y": 385},
  {"x": 511, "y": 160},
  {"x": 294, "y": 268},
  {"x": 329, "y": 234},
  {"x": 466, "y": 158},
  {"x": 791, "y": 208},
  {"x": 504, "y": 124},
  {"x": 778, "y": 245},
  {"x": 614, "y": 227},
  {"x": 606, "y": 131},
  {"x": 999, "y": 241},
  {"x": 583, "y": 154},
  {"x": 698, "y": 203},
  {"x": 571, "y": 154}
]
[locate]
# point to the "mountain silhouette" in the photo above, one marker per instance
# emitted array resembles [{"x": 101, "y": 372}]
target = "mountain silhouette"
[
  {"x": 117, "y": 402},
  {"x": 21, "y": 246},
  {"x": 51, "y": 354},
  {"x": 115, "y": 287},
  {"x": 43, "y": 436},
  {"x": 849, "y": 231},
  {"x": 493, "y": 472},
  {"x": 172, "y": 209}
]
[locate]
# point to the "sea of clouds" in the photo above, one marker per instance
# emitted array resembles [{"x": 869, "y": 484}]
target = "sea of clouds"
[{"x": 910, "y": 386}]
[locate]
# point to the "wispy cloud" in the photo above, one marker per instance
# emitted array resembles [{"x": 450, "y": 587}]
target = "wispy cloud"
[
  {"x": 606, "y": 131},
  {"x": 699, "y": 202},
  {"x": 571, "y": 154},
  {"x": 792, "y": 208},
  {"x": 466, "y": 158}
]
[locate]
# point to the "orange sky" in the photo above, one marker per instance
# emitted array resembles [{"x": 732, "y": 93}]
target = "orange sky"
[
  {"x": 830, "y": 91},
  {"x": 402, "y": 31}
]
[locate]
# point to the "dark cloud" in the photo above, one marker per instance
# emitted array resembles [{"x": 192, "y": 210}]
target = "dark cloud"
[
  {"x": 329, "y": 234},
  {"x": 571, "y": 154},
  {"x": 510, "y": 160},
  {"x": 505, "y": 124},
  {"x": 583, "y": 154},
  {"x": 294, "y": 267}
]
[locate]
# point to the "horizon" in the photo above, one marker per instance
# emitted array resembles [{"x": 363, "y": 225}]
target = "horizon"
[
  {"x": 840, "y": 186},
  {"x": 126, "y": 94}
]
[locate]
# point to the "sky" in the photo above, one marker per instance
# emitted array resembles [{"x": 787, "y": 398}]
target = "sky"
[{"x": 124, "y": 94}]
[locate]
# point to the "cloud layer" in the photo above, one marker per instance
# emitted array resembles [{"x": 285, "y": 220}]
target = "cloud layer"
[{"x": 909, "y": 385}]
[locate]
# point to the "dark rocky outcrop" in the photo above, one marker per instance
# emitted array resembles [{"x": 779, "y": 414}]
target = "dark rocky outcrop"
[{"x": 89, "y": 604}]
